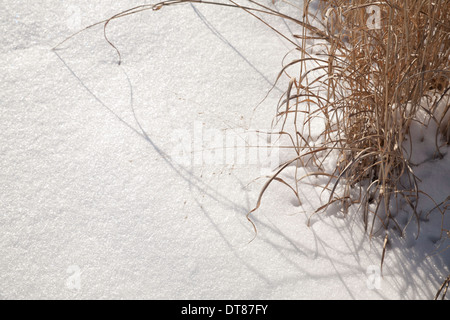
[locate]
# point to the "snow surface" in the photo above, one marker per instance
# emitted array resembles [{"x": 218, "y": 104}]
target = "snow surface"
[{"x": 93, "y": 207}]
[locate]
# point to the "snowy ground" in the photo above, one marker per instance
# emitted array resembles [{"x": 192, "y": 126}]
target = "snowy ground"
[{"x": 92, "y": 206}]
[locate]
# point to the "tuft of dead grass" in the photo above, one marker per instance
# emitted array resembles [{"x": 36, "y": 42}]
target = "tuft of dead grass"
[
  {"x": 371, "y": 89},
  {"x": 380, "y": 68}
]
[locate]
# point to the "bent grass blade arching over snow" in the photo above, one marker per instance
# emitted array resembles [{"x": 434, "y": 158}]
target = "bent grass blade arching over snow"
[{"x": 370, "y": 72}]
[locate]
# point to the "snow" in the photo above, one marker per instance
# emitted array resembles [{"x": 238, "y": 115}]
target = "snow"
[{"x": 93, "y": 206}]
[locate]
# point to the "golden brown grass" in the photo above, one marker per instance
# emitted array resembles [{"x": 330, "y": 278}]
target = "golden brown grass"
[
  {"x": 374, "y": 82},
  {"x": 369, "y": 85},
  {"x": 443, "y": 289}
]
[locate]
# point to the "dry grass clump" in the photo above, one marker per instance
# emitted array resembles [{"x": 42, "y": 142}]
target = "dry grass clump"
[
  {"x": 369, "y": 73},
  {"x": 378, "y": 73},
  {"x": 377, "y": 69}
]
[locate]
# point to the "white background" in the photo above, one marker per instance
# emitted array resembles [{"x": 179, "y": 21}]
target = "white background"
[{"x": 91, "y": 207}]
